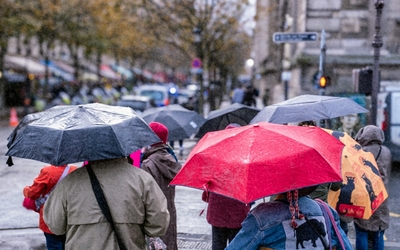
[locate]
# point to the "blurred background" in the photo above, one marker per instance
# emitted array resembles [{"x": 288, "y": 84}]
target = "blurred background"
[{"x": 196, "y": 52}]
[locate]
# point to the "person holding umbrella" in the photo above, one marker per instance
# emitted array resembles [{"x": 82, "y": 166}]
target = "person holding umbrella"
[
  {"x": 224, "y": 214},
  {"x": 161, "y": 164},
  {"x": 292, "y": 221},
  {"x": 136, "y": 204},
  {"x": 108, "y": 204},
  {"x": 273, "y": 159},
  {"x": 371, "y": 138}
]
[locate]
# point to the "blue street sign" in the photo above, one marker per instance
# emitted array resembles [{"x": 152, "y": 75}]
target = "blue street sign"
[{"x": 279, "y": 37}]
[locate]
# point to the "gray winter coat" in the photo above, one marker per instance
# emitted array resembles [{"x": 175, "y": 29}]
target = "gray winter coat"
[{"x": 371, "y": 138}]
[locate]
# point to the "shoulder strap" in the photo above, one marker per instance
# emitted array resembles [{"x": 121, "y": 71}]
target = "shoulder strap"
[
  {"x": 379, "y": 153},
  {"x": 101, "y": 200},
  {"x": 66, "y": 170},
  {"x": 326, "y": 210}
]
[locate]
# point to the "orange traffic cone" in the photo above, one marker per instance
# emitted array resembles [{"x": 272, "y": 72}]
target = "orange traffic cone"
[{"x": 13, "y": 117}]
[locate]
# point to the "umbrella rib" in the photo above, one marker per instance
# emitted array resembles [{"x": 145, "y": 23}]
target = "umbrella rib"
[{"x": 59, "y": 146}]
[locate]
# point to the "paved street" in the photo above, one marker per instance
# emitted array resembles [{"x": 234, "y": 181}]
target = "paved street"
[{"x": 18, "y": 226}]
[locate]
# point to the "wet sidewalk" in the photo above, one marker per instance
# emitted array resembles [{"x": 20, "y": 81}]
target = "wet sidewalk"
[{"x": 194, "y": 232}]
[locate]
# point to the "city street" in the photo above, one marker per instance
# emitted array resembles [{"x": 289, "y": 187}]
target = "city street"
[{"x": 18, "y": 226}]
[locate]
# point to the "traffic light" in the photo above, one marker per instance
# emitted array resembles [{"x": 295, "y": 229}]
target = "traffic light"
[
  {"x": 365, "y": 81},
  {"x": 323, "y": 82}
]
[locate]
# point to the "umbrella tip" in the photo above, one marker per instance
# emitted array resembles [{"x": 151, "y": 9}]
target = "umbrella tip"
[
  {"x": 256, "y": 125},
  {"x": 81, "y": 106},
  {"x": 10, "y": 161}
]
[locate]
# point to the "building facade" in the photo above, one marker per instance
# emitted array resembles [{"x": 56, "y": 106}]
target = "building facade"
[{"x": 349, "y": 27}]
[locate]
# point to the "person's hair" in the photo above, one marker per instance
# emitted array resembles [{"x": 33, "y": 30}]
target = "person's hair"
[
  {"x": 307, "y": 190},
  {"x": 307, "y": 123}
]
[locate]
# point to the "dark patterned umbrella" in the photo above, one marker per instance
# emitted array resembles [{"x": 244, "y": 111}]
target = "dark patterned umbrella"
[
  {"x": 182, "y": 123},
  {"x": 234, "y": 113},
  {"x": 73, "y": 133}
]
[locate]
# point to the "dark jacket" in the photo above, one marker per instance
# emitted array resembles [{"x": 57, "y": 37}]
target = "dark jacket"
[
  {"x": 248, "y": 98},
  {"x": 371, "y": 138},
  {"x": 225, "y": 212},
  {"x": 163, "y": 167}
]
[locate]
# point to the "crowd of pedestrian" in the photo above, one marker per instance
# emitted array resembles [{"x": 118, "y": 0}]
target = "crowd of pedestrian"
[
  {"x": 108, "y": 204},
  {"x": 245, "y": 94},
  {"x": 74, "y": 94}
]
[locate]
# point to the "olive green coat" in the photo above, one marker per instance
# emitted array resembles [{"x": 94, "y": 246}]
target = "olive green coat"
[{"x": 136, "y": 202}]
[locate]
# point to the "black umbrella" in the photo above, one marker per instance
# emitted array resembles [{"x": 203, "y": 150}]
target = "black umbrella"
[
  {"x": 220, "y": 118},
  {"x": 67, "y": 134},
  {"x": 181, "y": 122},
  {"x": 308, "y": 107}
]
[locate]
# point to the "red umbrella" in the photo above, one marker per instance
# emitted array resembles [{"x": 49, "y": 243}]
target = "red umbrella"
[{"x": 259, "y": 160}]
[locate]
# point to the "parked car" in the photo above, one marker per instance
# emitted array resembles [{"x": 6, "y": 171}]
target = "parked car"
[
  {"x": 185, "y": 94},
  {"x": 163, "y": 94},
  {"x": 160, "y": 94},
  {"x": 136, "y": 102}
]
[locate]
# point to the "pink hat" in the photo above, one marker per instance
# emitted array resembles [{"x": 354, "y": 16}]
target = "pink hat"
[{"x": 160, "y": 130}]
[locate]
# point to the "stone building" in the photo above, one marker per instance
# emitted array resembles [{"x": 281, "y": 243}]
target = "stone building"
[{"x": 349, "y": 26}]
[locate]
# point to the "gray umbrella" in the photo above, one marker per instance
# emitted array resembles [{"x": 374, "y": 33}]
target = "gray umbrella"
[
  {"x": 67, "y": 134},
  {"x": 235, "y": 113},
  {"x": 182, "y": 123},
  {"x": 308, "y": 107}
]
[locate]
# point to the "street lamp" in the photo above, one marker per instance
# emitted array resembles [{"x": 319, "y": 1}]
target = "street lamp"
[
  {"x": 199, "y": 53},
  {"x": 250, "y": 64},
  {"x": 376, "y": 44}
]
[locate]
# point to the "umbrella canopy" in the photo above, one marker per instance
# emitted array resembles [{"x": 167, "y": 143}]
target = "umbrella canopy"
[
  {"x": 234, "y": 113},
  {"x": 363, "y": 190},
  {"x": 181, "y": 122},
  {"x": 251, "y": 162},
  {"x": 74, "y": 133},
  {"x": 308, "y": 107}
]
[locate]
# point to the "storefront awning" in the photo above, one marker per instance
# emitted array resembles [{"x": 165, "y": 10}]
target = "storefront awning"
[
  {"x": 24, "y": 63},
  {"x": 126, "y": 73},
  {"x": 106, "y": 71},
  {"x": 65, "y": 67},
  {"x": 57, "y": 71},
  {"x": 88, "y": 76}
]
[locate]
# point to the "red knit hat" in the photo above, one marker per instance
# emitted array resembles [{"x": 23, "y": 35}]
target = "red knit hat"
[{"x": 160, "y": 130}]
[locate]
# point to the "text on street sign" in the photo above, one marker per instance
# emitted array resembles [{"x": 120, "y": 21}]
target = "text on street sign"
[{"x": 294, "y": 37}]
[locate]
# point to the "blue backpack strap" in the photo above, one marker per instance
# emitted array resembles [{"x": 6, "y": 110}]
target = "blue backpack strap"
[{"x": 171, "y": 151}]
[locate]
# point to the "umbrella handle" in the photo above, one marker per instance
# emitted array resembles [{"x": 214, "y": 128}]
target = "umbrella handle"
[{"x": 205, "y": 187}]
